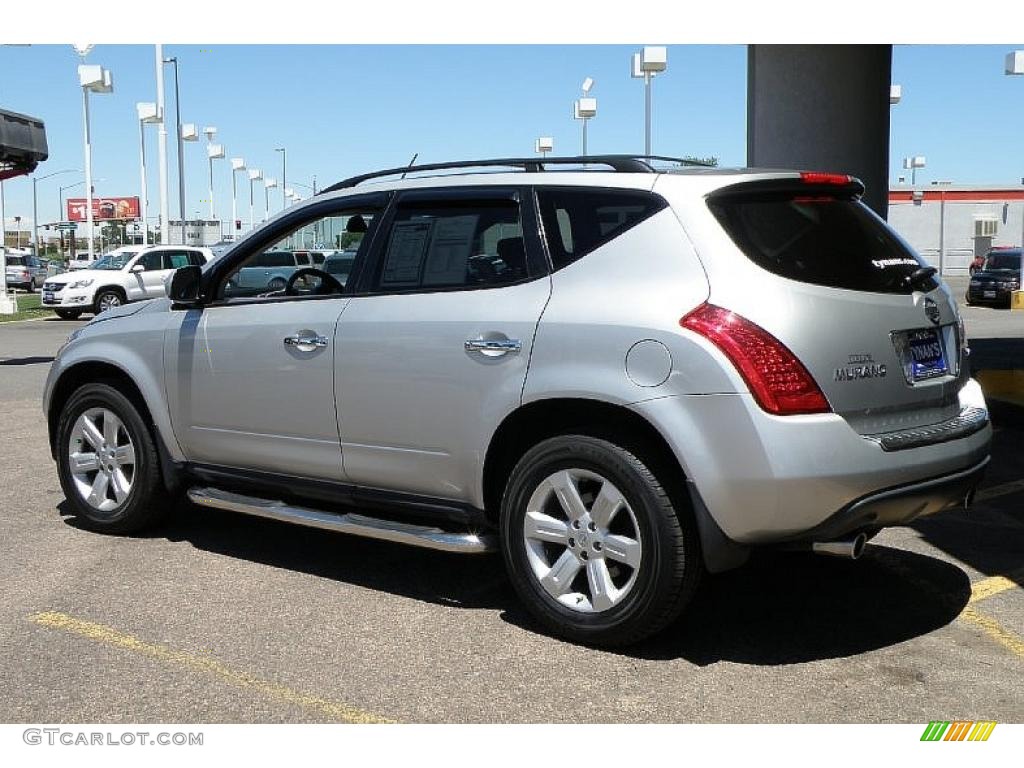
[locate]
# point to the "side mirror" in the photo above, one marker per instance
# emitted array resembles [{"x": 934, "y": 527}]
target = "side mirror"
[
  {"x": 138, "y": 268},
  {"x": 183, "y": 288}
]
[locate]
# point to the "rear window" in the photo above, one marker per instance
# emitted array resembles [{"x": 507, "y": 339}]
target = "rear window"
[
  {"x": 15, "y": 261},
  {"x": 818, "y": 239},
  {"x": 1003, "y": 261}
]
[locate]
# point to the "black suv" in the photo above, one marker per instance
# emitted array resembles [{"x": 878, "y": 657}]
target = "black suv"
[{"x": 997, "y": 279}]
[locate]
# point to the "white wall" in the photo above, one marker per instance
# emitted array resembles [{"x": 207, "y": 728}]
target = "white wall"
[{"x": 919, "y": 226}]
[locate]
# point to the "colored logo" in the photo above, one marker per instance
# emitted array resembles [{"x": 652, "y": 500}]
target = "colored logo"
[{"x": 958, "y": 730}]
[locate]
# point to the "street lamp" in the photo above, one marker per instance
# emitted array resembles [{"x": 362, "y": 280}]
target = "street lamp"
[
  {"x": 1015, "y": 66},
  {"x": 284, "y": 173},
  {"x": 543, "y": 145},
  {"x": 912, "y": 164},
  {"x": 94, "y": 78},
  {"x": 646, "y": 64},
  {"x": 213, "y": 152},
  {"x": 585, "y": 108},
  {"x": 237, "y": 164},
  {"x": 148, "y": 113},
  {"x": 254, "y": 175},
  {"x": 35, "y": 207},
  {"x": 181, "y": 162},
  {"x": 895, "y": 94},
  {"x": 268, "y": 185}
]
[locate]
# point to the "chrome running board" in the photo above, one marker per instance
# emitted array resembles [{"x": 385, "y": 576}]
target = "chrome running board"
[{"x": 349, "y": 522}]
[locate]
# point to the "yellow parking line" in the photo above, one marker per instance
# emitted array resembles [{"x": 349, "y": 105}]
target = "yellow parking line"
[
  {"x": 101, "y": 633},
  {"x": 994, "y": 630},
  {"x": 986, "y": 588}
]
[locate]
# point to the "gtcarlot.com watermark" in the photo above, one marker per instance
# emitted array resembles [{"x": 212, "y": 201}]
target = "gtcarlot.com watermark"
[{"x": 80, "y": 738}]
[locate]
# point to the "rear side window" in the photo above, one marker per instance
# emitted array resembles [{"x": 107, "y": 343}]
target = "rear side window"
[
  {"x": 818, "y": 239},
  {"x": 577, "y": 221},
  {"x": 473, "y": 243},
  {"x": 996, "y": 260}
]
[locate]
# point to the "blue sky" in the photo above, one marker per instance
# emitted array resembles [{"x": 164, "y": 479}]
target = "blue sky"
[{"x": 342, "y": 110}]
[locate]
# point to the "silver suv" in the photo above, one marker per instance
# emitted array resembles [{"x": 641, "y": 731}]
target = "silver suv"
[{"x": 621, "y": 378}]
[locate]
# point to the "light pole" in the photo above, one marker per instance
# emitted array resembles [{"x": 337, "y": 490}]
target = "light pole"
[
  {"x": 912, "y": 164},
  {"x": 543, "y": 145},
  {"x": 213, "y": 152},
  {"x": 35, "y": 207},
  {"x": 96, "y": 79},
  {"x": 237, "y": 164},
  {"x": 181, "y": 162},
  {"x": 148, "y": 113},
  {"x": 268, "y": 185},
  {"x": 284, "y": 174},
  {"x": 585, "y": 108},
  {"x": 162, "y": 147},
  {"x": 646, "y": 64},
  {"x": 1015, "y": 66},
  {"x": 254, "y": 175}
]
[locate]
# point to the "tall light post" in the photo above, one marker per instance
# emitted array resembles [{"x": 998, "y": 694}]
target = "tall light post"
[
  {"x": 284, "y": 174},
  {"x": 651, "y": 60},
  {"x": 912, "y": 164},
  {"x": 1015, "y": 66},
  {"x": 268, "y": 185},
  {"x": 182, "y": 137},
  {"x": 60, "y": 206},
  {"x": 94, "y": 79},
  {"x": 585, "y": 108},
  {"x": 148, "y": 113},
  {"x": 543, "y": 145},
  {"x": 35, "y": 207},
  {"x": 165, "y": 215},
  {"x": 254, "y": 175},
  {"x": 237, "y": 164},
  {"x": 213, "y": 152}
]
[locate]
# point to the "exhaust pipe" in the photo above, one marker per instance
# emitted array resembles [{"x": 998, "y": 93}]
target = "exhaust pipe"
[{"x": 847, "y": 548}]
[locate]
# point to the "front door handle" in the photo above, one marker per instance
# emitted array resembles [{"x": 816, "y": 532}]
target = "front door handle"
[
  {"x": 305, "y": 341},
  {"x": 493, "y": 347}
]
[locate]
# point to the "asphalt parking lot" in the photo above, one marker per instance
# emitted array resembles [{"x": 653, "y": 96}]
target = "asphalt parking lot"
[{"x": 220, "y": 618}]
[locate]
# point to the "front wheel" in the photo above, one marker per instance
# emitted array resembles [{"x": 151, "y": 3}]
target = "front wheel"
[
  {"x": 108, "y": 298},
  {"x": 107, "y": 462},
  {"x": 593, "y": 544}
]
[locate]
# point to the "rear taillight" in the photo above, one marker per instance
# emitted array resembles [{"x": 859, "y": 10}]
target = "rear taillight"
[{"x": 777, "y": 380}]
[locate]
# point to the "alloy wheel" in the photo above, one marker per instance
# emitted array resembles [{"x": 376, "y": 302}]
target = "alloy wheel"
[{"x": 101, "y": 459}]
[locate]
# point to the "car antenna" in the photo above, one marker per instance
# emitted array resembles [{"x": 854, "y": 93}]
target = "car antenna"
[{"x": 411, "y": 162}]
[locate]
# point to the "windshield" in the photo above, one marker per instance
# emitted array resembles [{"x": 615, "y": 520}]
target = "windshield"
[
  {"x": 1003, "y": 261},
  {"x": 113, "y": 261}
]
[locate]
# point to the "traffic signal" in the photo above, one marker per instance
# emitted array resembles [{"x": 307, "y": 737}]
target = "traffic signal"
[{"x": 238, "y": 223}]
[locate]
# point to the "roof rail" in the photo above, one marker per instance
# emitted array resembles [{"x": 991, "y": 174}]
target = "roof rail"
[{"x": 618, "y": 163}]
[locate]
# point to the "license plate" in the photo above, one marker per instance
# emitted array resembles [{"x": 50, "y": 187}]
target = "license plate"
[
  {"x": 989, "y": 294},
  {"x": 926, "y": 355},
  {"x": 47, "y": 297}
]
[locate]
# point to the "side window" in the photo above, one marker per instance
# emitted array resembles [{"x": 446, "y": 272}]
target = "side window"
[
  {"x": 267, "y": 273},
  {"x": 451, "y": 245},
  {"x": 577, "y": 221},
  {"x": 195, "y": 258},
  {"x": 152, "y": 261},
  {"x": 176, "y": 259}
]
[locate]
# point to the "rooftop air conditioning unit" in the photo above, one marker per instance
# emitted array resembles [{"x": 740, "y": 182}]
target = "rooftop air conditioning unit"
[{"x": 986, "y": 227}]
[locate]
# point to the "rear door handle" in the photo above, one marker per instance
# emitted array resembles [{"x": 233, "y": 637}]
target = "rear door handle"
[
  {"x": 305, "y": 342},
  {"x": 493, "y": 347}
]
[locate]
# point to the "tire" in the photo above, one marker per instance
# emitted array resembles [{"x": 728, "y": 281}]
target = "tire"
[
  {"x": 107, "y": 298},
  {"x": 68, "y": 314},
  {"x": 113, "y": 508},
  {"x": 646, "y": 530}
]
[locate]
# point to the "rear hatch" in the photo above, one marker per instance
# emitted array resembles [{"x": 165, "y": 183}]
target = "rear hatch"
[{"x": 856, "y": 305}]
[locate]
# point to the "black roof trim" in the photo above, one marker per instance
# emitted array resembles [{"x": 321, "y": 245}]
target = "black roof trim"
[{"x": 618, "y": 163}]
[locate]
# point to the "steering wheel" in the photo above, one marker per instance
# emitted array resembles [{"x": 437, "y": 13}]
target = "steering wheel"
[{"x": 328, "y": 283}]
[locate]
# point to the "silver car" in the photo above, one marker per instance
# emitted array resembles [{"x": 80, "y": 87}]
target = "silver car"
[
  {"x": 25, "y": 272},
  {"x": 620, "y": 377}
]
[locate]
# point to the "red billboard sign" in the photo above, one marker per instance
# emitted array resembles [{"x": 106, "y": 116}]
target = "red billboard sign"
[{"x": 104, "y": 208}]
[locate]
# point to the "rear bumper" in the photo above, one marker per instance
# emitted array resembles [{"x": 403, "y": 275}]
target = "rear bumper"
[
  {"x": 978, "y": 295},
  {"x": 767, "y": 479}
]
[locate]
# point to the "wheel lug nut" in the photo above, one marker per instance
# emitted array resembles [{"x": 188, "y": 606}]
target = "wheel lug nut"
[
  {"x": 572, "y": 542},
  {"x": 591, "y": 526},
  {"x": 576, "y": 524},
  {"x": 584, "y": 555},
  {"x": 597, "y": 546}
]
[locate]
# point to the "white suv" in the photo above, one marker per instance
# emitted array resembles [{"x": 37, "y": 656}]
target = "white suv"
[{"x": 126, "y": 274}]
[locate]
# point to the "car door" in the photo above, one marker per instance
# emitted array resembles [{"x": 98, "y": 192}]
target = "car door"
[
  {"x": 250, "y": 377},
  {"x": 139, "y": 283},
  {"x": 433, "y": 349}
]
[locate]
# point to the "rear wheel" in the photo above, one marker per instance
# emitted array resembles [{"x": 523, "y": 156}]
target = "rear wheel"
[
  {"x": 593, "y": 544},
  {"x": 107, "y": 462}
]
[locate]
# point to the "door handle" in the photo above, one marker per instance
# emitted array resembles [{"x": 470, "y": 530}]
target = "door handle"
[
  {"x": 493, "y": 347},
  {"x": 305, "y": 342}
]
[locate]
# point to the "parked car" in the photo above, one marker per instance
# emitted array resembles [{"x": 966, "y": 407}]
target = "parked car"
[
  {"x": 127, "y": 274},
  {"x": 998, "y": 278},
  {"x": 620, "y": 378},
  {"x": 268, "y": 272},
  {"x": 82, "y": 260},
  {"x": 24, "y": 272}
]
